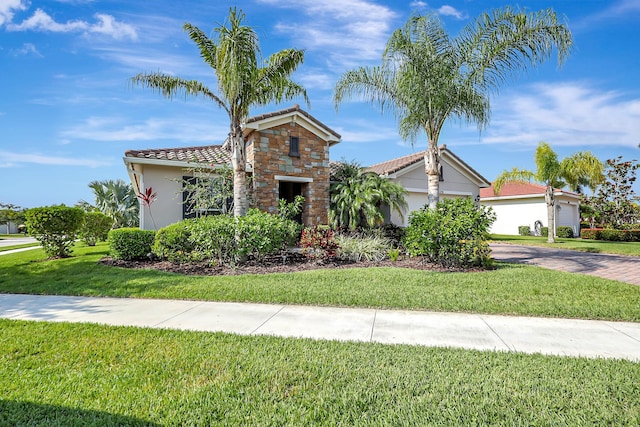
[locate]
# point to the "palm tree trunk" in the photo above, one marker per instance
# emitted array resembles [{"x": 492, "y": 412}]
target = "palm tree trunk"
[
  {"x": 549, "y": 198},
  {"x": 432, "y": 169},
  {"x": 238, "y": 161}
]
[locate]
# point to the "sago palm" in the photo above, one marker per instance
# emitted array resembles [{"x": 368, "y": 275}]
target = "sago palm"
[
  {"x": 427, "y": 77},
  {"x": 243, "y": 82},
  {"x": 580, "y": 169}
]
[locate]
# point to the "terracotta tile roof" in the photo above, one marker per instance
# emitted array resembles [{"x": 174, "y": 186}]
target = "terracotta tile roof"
[
  {"x": 394, "y": 165},
  {"x": 518, "y": 189},
  {"x": 297, "y": 108},
  {"x": 212, "y": 154}
]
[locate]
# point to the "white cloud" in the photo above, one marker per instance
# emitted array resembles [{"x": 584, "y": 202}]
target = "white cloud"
[
  {"x": 112, "y": 129},
  {"x": 27, "y": 49},
  {"x": 567, "y": 114},
  {"x": 447, "y": 10},
  {"x": 12, "y": 159},
  {"x": 351, "y": 31},
  {"x": 8, "y": 9},
  {"x": 105, "y": 25},
  {"x": 418, "y": 4}
]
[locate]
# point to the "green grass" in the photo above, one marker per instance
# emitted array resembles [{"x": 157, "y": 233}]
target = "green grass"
[
  {"x": 594, "y": 246},
  {"x": 511, "y": 289},
  {"x": 26, "y": 245},
  {"x": 59, "y": 374}
]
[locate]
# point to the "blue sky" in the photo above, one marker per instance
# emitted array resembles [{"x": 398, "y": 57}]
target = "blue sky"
[{"x": 68, "y": 112}]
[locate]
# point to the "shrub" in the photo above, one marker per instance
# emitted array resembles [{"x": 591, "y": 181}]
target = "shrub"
[
  {"x": 565, "y": 231},
  {"x": 173, "y": 242},
  {"x": 544, "y": 231},
  {"x": 370, "y": 248},
  {"x": 591, "y": 233},
  {"x": 95, "y": 227},
  {"x": 318, "y": 242},
  {"x": 213, "y": 238},
  {"x": 611, "y": 234},
  {"x": 130, "y": 243},
  {"x": 524, "y": 230},
  {"x": 55, "y": 227},
  {"x": 453, "y": 235},
  {"x": 261, "y": 234}
]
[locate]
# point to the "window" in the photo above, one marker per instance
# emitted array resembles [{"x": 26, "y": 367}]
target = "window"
[
  {"x": 205, "y": 196},
  {"x": 294, "y": 146},
  {"x": 441, "y": 177}
]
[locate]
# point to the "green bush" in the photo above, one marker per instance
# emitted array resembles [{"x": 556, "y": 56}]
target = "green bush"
[
  {"x": 130, "y": 243},
  {"x": 524, "y": 230},
  {"x": 261, "y": 234},
  {"x": 213, "y": 238},
  {"x": 611, "y": 234},
  {"x": 367, "y": 248},
  {"x": 95, "y": 228},
  {"x": 55, "y": 227},
  {"x": 565, "y": 231},
  {"x": 173, "y": 242},
  {"x": 453, "y": 235},
  {"x": 591, "y": 233},
  {"x": 319, "y": 243},
  {"x": 544, "y": 231}
]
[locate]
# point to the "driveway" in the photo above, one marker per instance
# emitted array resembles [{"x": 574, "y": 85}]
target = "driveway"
[
  {"x": 614, "y": 267},
  {"x": 13, "y": 241}
]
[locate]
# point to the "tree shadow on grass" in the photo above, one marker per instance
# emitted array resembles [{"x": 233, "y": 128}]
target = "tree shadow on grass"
[{"x": 17, "y": 413}]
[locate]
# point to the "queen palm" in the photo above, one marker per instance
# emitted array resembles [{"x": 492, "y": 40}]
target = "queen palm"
[
  {"x": 427, "y": 77},
  {"x": 579, "y": 169},
  {"x": 242, "y": 81}
]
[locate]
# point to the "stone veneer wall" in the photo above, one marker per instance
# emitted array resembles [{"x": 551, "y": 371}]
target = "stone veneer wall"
[{"x": 268, "y": 153}]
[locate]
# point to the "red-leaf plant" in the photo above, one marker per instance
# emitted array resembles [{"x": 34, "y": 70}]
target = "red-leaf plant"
[{"x": 148, "y": 197}]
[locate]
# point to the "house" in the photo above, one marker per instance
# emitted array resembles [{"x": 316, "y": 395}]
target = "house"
[
  {"x": 287, "y": 155},
  {"x": 523, "y": 204},
  {"x": 457, "y": 179}
]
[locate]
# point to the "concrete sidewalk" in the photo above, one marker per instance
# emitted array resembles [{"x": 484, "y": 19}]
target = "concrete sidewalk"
[{"x": 563, "y": 337}]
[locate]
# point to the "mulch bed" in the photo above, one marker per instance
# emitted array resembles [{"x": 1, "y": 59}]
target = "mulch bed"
[{"x": 275, "y": 264}]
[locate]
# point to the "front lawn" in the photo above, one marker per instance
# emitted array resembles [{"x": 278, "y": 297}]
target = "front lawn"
[
  {"x": 586, "y": 245},
  {"x": 81, "y": 374},
  {"x": 510, "y": 289}
]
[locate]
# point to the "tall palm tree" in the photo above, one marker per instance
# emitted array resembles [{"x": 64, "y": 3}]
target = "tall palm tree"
[
  {"x": 427, "y": 77},
  {"x": 580, "y": 169},
  {"x": 243, "y": 83},
  {"x": 357, "y": 197},
  {"x": 117, "y": 200}
]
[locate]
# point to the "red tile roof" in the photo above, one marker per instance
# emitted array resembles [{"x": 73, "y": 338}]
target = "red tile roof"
[
  {"x": 518, "y": 189},
  {"x": 212, "y": 154},
  {"x": 394, "y": 165}
]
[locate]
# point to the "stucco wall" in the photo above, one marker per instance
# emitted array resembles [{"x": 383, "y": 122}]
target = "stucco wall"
[
  {"x": 167, "y": 209},
  {"x": 512, "y": 213},
  {"x": 414, "y": 180}
]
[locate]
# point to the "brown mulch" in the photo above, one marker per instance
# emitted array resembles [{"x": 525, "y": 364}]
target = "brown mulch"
[{"x": 275, "y": 264}]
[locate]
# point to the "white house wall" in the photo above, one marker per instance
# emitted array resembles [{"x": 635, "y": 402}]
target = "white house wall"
[
  {"x": 167, "y": 209},
  {"x": 514, "y": 212},
  {"x": 414, "y": 180}
]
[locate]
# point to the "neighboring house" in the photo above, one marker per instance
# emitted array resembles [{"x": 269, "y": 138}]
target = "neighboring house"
[
  {"x": 523, "y": 204},
  {"x": 287, "y": 155},
  {"x": 457, "y": 179}
]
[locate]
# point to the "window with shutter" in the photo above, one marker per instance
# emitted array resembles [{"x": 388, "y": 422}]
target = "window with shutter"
[{"x": 294, "y": 146}]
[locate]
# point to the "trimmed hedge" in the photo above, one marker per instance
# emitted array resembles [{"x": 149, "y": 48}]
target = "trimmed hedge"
[
  {"x": 565, "y": 231},
  {"x": 544, "y": 231},
  {"x": 130, "y": 243},
  {"x": 611, "y": 235},
  {"x": 55, "y": 227},
  {"x": 524, "y": 230},
  {"x": 95, "y": 228}
]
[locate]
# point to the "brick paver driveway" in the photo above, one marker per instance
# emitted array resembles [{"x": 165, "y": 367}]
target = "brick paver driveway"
[{"x": 615, "y": 267}]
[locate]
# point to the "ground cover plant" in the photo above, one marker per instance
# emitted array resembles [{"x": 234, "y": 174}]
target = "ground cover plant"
[
  {"x": 509, "y": 289},
  {"x": 78, "y": 374},
  {"x": 595, "y": 246}
]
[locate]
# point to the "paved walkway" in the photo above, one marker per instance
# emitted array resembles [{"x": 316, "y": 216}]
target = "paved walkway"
[
  {"x": 615, "y": 267},
  {"x": 587, "y": 338}
]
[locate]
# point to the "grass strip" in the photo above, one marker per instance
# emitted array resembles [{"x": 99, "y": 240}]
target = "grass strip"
[
  {"x": 511, "y": 289},
  {"x": 74, "y": 374},
  {"x": 593, "y": 246}
]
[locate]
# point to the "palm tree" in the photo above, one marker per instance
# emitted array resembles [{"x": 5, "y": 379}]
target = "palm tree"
[
  {"x": 242, "y": 84},
  {"x": 426, "y": 77},
  {"x": 357, "y": 197},
  {"x": 580, "y": 169},
  {"x": 117, "y": 200}
]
